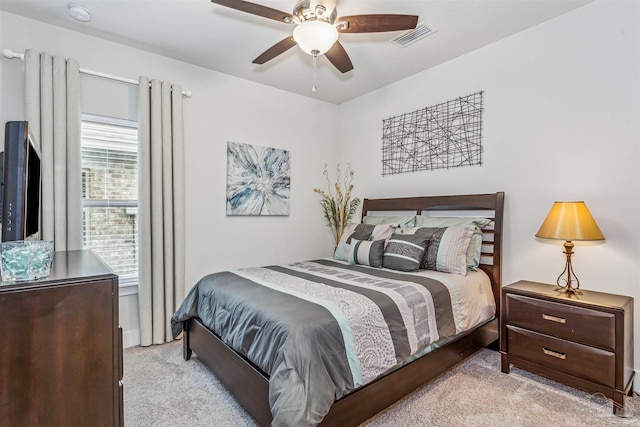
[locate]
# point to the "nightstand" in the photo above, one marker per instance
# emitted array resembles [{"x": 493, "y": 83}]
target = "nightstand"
[{"x": 584, "y": 341}]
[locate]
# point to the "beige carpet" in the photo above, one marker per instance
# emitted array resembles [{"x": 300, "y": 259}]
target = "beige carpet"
[{"x": 162, "y": 389}]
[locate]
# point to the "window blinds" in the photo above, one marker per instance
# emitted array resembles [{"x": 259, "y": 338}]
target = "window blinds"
[{"x": 110, "y": 192}]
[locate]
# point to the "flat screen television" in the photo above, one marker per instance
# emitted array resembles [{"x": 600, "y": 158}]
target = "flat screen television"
[{"x": 20, "y": 183}]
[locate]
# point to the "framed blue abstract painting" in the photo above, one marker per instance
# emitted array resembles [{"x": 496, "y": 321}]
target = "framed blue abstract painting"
[{"x": 258, "y": 180}]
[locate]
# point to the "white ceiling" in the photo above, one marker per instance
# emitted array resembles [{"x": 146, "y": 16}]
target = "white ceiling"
[{"x": 226, "y": 40}]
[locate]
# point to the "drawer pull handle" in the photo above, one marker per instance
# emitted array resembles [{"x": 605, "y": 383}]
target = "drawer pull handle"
[
  {"x": 554, "y": 318},
  {"x": 554, "y": 353}
]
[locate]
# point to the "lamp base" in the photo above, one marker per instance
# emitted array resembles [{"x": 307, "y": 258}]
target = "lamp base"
[
  {"x": 566, "y": 283},
  {"x": 568, "y": 289}
]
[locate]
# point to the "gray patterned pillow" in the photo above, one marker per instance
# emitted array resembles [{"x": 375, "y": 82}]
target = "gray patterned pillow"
[
  {"x": 366, "y": 252},
  {"x": 447, "y": 247},
  {"x": 361, "y": 232},
  {"x": 404, "y": 251},
  {"x": 475, "y": 244},
  {"x": 356, "y": 231}
]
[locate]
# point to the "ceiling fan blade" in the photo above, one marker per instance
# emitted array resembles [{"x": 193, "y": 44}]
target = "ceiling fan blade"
[
  {"x": 256, "y": 9},
  {"x": 275, "y": 50},
  {"x": 376, "y": 23},
  {"x": 339, "y": 58}
]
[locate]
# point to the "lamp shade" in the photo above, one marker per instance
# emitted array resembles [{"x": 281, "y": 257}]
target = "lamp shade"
[
  {"x": 570, "y": 221},
  {"x": 315, "y": 36}
]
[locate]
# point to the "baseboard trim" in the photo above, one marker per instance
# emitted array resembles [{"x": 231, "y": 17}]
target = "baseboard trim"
[{"x": 131, "y": 338}]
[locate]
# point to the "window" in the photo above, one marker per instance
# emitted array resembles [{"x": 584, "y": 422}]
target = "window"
[{"x": 110, "y": 192}]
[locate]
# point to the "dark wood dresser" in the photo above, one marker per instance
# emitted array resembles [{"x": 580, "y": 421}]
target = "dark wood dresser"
[
  {"x": 61, "y": 346},
  {"x": 584, "y": 341}
]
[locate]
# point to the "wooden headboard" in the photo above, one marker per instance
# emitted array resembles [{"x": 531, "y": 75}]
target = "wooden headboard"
[{"x": 483, "y": 205}]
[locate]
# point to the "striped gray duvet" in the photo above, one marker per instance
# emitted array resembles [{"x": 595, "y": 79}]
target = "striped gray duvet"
[{"x": 320, "y": 329}]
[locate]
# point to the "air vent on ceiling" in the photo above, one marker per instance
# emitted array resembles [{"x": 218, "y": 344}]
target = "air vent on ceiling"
[{"x": 409, "y": 37}]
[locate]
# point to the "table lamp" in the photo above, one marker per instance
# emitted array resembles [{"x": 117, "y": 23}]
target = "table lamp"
[{"x": 569, "y": 221}]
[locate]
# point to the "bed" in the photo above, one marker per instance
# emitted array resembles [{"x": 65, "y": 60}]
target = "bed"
[{"x": 363, "y": 387}]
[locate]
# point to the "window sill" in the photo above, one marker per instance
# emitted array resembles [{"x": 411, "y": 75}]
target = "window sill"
[{"x": 128, "y": 288}]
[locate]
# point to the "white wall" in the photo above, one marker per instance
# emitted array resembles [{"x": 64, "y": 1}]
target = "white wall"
[
  {"x": 561, "y": 122},
  {"x": 222, "y": 109}
]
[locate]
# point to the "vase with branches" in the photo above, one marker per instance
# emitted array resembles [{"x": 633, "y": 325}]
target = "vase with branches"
[{"x": 337, "y": 205}]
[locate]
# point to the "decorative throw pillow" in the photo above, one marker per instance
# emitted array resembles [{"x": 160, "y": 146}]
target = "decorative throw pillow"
[
  {"x": 356, "y": 231},
  {"x": 404, "y": 251},
  {"x": 351, "y": 230},
  {"x": 383, "y": 231},
  {"x": 475, "y": 244},
  {"x": 342, "y": 251},
  {"x": 361, "y": 232},
  {"x": 447, "y": 247},
  {"x": 366, "y": 252}
]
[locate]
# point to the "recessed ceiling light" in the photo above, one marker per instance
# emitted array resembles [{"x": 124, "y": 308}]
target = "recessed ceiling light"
[{"x": 79, "y": 13}]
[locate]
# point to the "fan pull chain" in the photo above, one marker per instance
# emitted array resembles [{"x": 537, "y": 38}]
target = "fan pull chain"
[{"x": 315, "y": 57}]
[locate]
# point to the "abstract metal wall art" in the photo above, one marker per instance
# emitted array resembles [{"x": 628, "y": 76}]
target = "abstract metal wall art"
[
  {"x": 257, "y": 180},
  {"x": 442, "y": 136}
]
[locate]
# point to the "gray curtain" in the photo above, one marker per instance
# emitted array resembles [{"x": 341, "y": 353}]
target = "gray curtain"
[
  {"x": 161, "y": 285},
  {"x": 52, "y": 108}
]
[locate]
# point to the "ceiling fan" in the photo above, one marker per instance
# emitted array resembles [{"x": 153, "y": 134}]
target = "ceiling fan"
[{"x": 317, "y": 26}]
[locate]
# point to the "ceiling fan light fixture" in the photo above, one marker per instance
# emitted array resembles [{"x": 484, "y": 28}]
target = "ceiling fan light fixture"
[{"x": 315, "y": 37}]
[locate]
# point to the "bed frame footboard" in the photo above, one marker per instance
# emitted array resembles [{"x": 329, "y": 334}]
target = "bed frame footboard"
[
  {"x": 251, "y": 387},
  {"x": 244, "y": 380}
]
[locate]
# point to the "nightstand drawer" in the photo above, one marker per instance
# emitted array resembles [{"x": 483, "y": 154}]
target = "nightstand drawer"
[
  {"x": 565, "y": 356},
  {"x": 579, "y": 324}
]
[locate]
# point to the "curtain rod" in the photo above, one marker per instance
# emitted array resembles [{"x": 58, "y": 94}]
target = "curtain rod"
[{"x": 8, "y": 53}]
